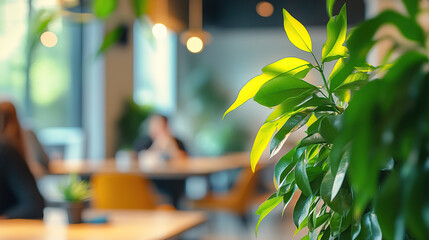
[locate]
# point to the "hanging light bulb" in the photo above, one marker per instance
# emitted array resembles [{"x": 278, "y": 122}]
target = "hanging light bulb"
[
  {"x": 159, "y": 31},
  {"x": 195, "y": 37},
  {"x": 195, "y": 44},
  {"x": 48, "y": 39}
]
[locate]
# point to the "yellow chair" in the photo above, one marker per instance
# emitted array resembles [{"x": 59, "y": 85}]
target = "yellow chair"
[
  {"x": 122, "y": 191},
  {"x": 237, "y": 200}
]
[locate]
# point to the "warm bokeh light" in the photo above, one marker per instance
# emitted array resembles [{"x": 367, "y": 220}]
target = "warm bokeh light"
[
  {"x": 159, "y": 31},
  {"x": 195, "y": 44},
  {"x": 49, "y": 39},
  {"x": 264, "y": 9}
]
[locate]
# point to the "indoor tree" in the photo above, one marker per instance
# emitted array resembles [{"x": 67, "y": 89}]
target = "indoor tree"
[{"x": 361, "y": 169}]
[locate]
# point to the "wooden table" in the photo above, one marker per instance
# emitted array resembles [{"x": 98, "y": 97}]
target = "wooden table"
[
  {"x": 130, "y": 225},
  {"x": 194, "y": 166}
]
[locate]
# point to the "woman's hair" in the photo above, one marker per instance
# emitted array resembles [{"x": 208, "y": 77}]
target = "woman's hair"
[{"x": 10, "y": 129}]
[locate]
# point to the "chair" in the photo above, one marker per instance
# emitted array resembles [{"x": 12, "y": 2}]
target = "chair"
[
  {"x": 237, "y": 200},
  {"x": 122, "y": 191}
]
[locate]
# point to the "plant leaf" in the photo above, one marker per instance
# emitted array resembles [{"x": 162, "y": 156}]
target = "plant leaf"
[
  {"x": 296, "y": 32},
  {"x": 291, "y": 65},
  {"x": 370, "y": 228},
  {"x": 301, "y": 178},
  {"x": 336, "y": 35},
  {"x": 330, "y": 7},
  {"x": 412, "y": 7},
  {"x": 139, "y": 7},
  {"x": 343, "y": 200},
  {"x": 263, "y": 139},
  {"x": 103, "y": 8},
  {"x": 281, "y": 88},
  {"x": 340, "y": 174},
  {"x": 293, "y": 123},
  {"x": 110, "y": 39},
  {"x": 265, "y": 208},
  {"x": 327, "y": 130},
  {"x": 284, "y": 164},
  {"x": 301, "y": 209}
]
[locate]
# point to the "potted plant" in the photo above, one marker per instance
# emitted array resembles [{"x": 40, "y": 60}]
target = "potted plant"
[
  {"x": 362, "y": 168},
  {"x": 74, "y": 193}
]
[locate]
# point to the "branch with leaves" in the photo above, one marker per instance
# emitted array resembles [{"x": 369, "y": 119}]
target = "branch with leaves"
[{"x": 359, "y": 145}]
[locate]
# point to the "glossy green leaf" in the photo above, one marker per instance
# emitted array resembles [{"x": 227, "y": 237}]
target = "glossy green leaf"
[
  {"x": 291, "y": 66},
  {"x": 327, "y": 130},
  {"x": 296, "y": 32},
  {"x": 301, "y": 178},
  {"x": 301, "y": 209},
  {"x": 265, "y": 208},
  {"x": 340, "y": 174},
  {"x": 281, "y": 88},
  {"x": 417, "y": 203},
  {"x": 370, "y": 230},
  {"x": 312, "y": 139},
  {"x": 355, "y": 229},
  {"x": 285, "y": 163},
  {"x": 388, "y": 206},
  {"x": 111, "y": 39},
  {"x": 336, "y": 35},
  {"x": 295, "y": 122},
  {"x": 412, "y": 7},
  {"x": 286, "y": 199},
  {"x": 315, "y": 101},
  {"x": 263, "y": 139},
  {"x": 343, "y": 200},
  {"x": 140, "y": 7},
  {"x": 104, "y": 8},
  {"x": 330, "y": 7}
]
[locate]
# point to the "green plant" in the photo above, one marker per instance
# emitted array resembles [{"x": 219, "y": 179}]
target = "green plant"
[
  {"x": 75, "y": 190},
  {"x": 130, "y": 121},
  {"x": 362, "y": 168}
]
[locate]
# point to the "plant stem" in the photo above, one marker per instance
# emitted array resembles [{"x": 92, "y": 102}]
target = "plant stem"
[{"x": 320, "y": 69}]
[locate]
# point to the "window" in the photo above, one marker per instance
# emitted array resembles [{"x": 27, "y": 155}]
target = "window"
[
  {"x": 48, "y": 94},
  {"x": 154, "y": 69}
]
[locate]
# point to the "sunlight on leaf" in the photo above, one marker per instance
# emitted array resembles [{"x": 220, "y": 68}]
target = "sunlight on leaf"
[
  {"x": 265, "y": 208},
  {"x": 262, "y": 139},
  {"x": 336, "y": 30},
  {"x": 290, "y": 65},
  {"x": 330, "y": 7},
  {"x": 296, "y": 32}
]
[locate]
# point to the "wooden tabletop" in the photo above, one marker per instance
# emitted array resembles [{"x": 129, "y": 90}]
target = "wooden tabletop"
[
  {"x": 130, "y": 224},
  {"x": 193, "y": 166}
]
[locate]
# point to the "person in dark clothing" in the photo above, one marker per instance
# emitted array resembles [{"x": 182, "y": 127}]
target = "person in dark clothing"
[
  {"x": 161, "y": 140},
  {"x": 19, "y": 196}
]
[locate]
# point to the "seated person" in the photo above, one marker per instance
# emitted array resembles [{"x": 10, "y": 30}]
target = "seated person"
[
  {"x": 19, "y": 196},
  {"x": 161, "y": 140}
]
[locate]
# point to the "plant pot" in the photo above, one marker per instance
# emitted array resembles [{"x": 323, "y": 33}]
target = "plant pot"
[{"x": 74, "y": 211}]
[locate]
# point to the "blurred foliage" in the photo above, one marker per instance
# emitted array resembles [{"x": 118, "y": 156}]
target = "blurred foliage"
[
  {"x": 201, "y": 101},
  {"x": 75, "y": 190},
  {"x": 132, "y": 117},
  {"x": 363, "y": 167}
]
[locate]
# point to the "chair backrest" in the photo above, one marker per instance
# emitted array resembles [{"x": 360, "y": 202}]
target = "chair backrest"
[
  {"x": 245, "y": 187},
  {"x": 121, "y": 191}
]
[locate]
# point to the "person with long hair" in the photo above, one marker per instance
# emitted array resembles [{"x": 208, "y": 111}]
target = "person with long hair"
[{"x": 19, "y": 195}]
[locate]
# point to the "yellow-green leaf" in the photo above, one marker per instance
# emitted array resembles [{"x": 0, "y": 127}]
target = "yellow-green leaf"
[
  {"x": 263, "y": 138},
  {"x": 336, "y": 31},
  {"x": 296, "y": 32},
  {"x": 265, "y": 208},
  {"x": 290, "y": 65},
  {"x": 337, "y": 68},
  {"x": 330, "y": 7}
]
